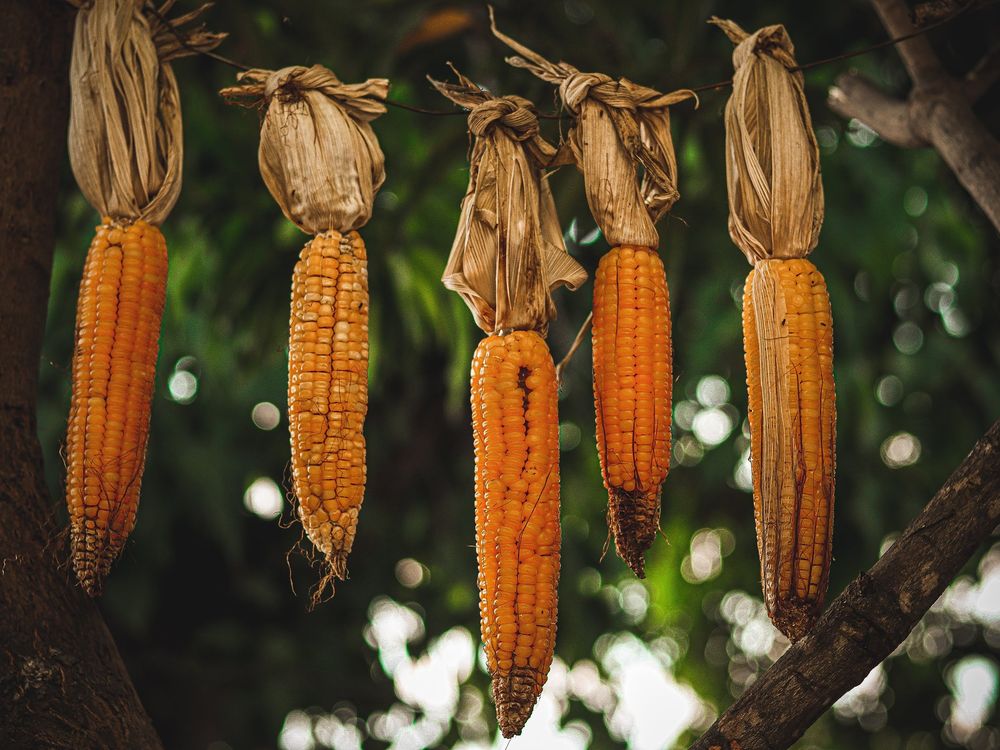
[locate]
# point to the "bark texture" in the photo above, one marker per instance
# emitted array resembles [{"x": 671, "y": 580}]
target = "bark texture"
[
  {"x": 62, "y": 681},
  {"x": 872, "y": 616}
]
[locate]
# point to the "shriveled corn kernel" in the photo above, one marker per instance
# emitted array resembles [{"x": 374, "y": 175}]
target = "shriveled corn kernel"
[
  {"x": 328, "y": 392},
  {"x": 516, "y": 436},
  {"x": 632, "y": 392},
  {"x": 788, "y": 342},
  {"x": 114, "y": 362}
]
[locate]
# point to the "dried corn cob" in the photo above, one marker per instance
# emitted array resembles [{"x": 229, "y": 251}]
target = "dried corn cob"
[
  {"x": 775, "y": 195},
  {"x": 632, "y": 385},
  {"x": 505, "y": 262},
  {"x": 619, "y": 125},
  {"x": 114, "y": 364},
  {"x": 788, "y": 339},
  {"x": 516, "y": 436},
  {"x": 328, "y": 390}
]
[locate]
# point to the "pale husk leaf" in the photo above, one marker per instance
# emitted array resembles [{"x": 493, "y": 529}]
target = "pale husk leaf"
[
  {"x": 619, "y": 126},
  {"x": 508, "y": 254},
  {"x": 318, "y": 154},
  {"x": 125, "y": 132},
  {"x": 772, "y": 164}
]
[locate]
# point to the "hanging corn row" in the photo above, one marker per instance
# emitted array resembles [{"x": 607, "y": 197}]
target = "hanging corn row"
[
  {"x": 618, "y": 126},
  {"x": 775, "y": 215},
  {"x": 125, "y": 147},
  {"x": 507, "y": 257},
  {"x": 322, "y": 163}
]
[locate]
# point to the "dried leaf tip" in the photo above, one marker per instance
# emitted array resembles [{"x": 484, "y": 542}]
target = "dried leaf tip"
[
  {"x": 173, "y": 40},
  {"x": 508, "y": 255},
  {"x": 772, "y": 165},
  {"x": 619, "y": 126},
  {"x": 318, "y": 154}
]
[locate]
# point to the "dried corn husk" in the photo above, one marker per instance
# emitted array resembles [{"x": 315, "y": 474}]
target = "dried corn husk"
[
  {"x": 508, "y": 255},
  {"x": 318, "y": 154},
  {"x": 125, "y": 139},
  {"x": 619, "y": 125},
  {"x": 772, "y": 169}
]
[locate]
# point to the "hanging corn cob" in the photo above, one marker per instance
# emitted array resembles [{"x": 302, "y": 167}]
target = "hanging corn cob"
[
  {"x": 322, "y": 163},
  {"x": 618, "y": 126},
  {"x": 507, "y": 257},
  {"x": 775, "y": 215},
  {"x": 125, "y": 148}
]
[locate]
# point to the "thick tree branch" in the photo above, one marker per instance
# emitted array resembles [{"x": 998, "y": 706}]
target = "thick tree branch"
[
  {"x": 873, "y": 615},
  {"x": 854, "y": 96},
  {"x": 62, "y": 682},
  {"x": 938, "y": 112}
]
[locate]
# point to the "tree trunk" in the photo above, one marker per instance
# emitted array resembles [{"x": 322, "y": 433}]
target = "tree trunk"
[{"x": 62, "y": 682}]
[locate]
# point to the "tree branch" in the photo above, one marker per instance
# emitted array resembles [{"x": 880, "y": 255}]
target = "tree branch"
[
  {"x": 854, "y": 96},
  {"x": 918, "y": 56},
  {"x": 873, "y": 615},
  {"x": 981, "y": 78},
  {"x": 938, "y": 112}
]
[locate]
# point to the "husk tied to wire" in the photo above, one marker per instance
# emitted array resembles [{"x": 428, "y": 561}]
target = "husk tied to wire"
[
  {"x": 619, "y": 126},
  {"x": 775, "y": 216},
  {"x": 318, "y": 154},
  {"x": 772, "y": 164},
  {"x": 322, "y": 163},
  {"x": 125, "y": 134},
  {"x": 508, "y": 255},
  {"x": 126, "y": 151},
  {"x": 619, "y": 129}
]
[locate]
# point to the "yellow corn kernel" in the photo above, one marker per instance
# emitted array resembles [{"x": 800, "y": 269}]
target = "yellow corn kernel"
[
  {"x": 114, "y": 365},
  {"x": 328, "y": 393},
  {"x": 632, "y": 390},
  {"x": 788, "y": 342},
  {"x": 516, "y": 437}
]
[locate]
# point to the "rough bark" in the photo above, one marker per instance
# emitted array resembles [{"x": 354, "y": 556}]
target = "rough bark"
[
  {"x": 62, "y": 682},
  {"x": 873, "y": 615},
  {"x": 937, "y": 113}
]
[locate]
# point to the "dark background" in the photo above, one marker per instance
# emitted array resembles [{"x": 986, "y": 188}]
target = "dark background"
[{"x": 209, "y": 607}]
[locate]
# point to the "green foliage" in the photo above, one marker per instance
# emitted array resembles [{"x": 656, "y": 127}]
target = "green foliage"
[{"x": 219, "y": 645}]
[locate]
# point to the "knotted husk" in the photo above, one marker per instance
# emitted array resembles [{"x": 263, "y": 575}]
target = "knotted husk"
[
  {"x": 772, "y": 164},
  {"x": 619, "y": 126},
  {"x": 318, "y": 154},
  {"x": 125, "y": 139},
  {"x": 508, "y": 255}
]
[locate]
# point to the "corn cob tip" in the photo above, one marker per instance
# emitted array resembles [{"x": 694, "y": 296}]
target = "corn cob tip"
[
  {"x": 91, "y": 568},
  {"x": 795, "y": 618},
  {"x": 634, "y": 519},
  {"x": 515, "y": 694},
  {"x": 91, "y": 581}
]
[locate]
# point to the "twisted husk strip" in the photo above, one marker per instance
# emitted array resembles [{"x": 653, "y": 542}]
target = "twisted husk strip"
[
  {"x": 318, "y": 154},
  {"x": 508, "y": 254},
  {"x": 125, "y": 138},
  {"x": 772, "y": 169},
  {"x": 619, "y": 125}
]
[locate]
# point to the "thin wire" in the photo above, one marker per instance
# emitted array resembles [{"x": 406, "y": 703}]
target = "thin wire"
[
  {"x": 969, "y": 6},
  {"x": 872, "y": 48}
]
